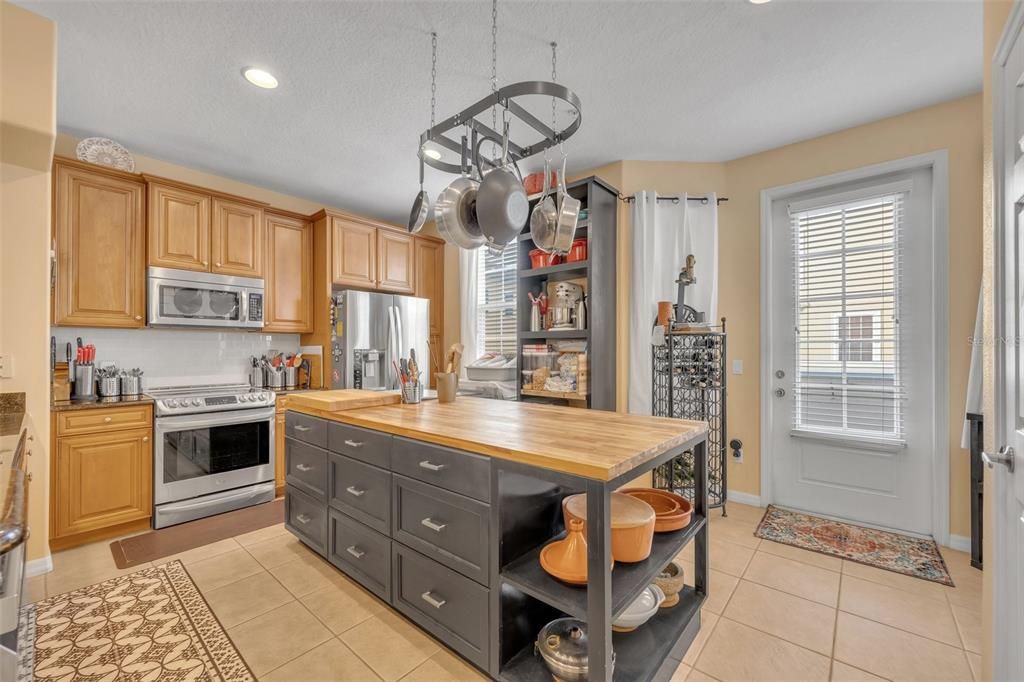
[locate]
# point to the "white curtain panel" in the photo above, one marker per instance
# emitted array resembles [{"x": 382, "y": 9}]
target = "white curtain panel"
[
  {"x": 469, "y": 266},
  {"x": 663, "y": 234}
]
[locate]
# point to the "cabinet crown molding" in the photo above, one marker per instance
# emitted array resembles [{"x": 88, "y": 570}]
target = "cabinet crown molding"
[
  {"x": 95, "y": 168},
  {"x": 203, "y": 190}
]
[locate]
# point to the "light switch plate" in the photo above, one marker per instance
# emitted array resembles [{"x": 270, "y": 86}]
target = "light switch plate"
[
  {"x": 6, "y": 366},
  {"x": 737, "y": 367}
]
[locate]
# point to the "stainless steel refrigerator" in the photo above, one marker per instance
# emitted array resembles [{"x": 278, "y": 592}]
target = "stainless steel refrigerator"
[{"x": 371, "y": 332}]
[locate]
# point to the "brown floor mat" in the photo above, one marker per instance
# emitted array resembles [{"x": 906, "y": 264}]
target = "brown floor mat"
[{"x": 166, "y": 542}]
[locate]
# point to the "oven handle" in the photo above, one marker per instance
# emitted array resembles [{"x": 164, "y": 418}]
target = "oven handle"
[{"x": 192, "y": 421}]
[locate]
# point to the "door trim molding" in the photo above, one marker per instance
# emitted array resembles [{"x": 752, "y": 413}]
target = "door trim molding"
[{"x": 938, "y": 162}]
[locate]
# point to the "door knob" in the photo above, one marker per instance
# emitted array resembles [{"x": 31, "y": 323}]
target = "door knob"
[
  {"x": 1005, "y": 456},
  {"x": 779, "y": 392}
]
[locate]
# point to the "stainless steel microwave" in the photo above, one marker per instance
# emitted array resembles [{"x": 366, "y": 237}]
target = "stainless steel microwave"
[{"x": 202, "y": 299}]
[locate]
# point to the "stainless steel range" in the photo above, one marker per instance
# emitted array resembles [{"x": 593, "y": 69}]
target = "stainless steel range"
[{"x": 214, "y": 450}]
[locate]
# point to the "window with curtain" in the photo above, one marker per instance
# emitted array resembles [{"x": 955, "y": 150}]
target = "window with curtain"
[
  {"x": 847, "y": 294},
  {"x": 496, "y": 301}
]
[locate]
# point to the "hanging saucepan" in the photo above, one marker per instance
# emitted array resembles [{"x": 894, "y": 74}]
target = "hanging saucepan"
[
  {"x": 568, "y": 214},
  {"x": 420, "y": 207},
  {"x": 544, "y": 218},
  {"x": 501, "y": 204},
  {"x": 455, "y": 210}
]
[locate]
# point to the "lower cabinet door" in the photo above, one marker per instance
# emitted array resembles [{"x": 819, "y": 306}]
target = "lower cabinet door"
[
  {"x": 363, "y": 554},
  {"x": 306, "y": 518},
  {"x": 446, "y": 604},
  {"x": 102, "y": 480}
]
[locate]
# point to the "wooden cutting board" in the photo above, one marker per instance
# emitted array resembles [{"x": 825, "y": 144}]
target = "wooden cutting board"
[{"x": 343, "y": 399}]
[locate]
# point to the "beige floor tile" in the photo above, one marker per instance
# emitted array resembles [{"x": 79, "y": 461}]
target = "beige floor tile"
[
  {"x": 223, "y": 569},
  {"x": 390, "y": 645},
  {"x": 796, "y": 620},
  {"x": 247, "y": 598},
  {"x": 734, "y": 530},
  {"x": 707, "y": 626},
  {"x": 342, "y": 606},
  {"x": 84, "y": 565},
  {"x": 905, "y": 610},
  {"x": 907, "y": 583},
  {"x": 681, "y": 673},
  {"x": 720, "y": 587},
  {"x": 847, "y": 673},
  {"x": 194, "y": 556},
  {"x": 307, "y": 574},
  {"x": 270, "y": 640},
  {"x": 896, "y": 654},
  {"x": 278, "y": 550},
  {"x": 967, "y": 592},
  {"x": 260, "y": 535},
  {"x": 444, "y": 667},
  {"x": 34, "y": 589},
  {"x": 331, "y": 661},
  {"x": 728, "y": 557},
  {"x": 802, "y": 555},
  {"x": 742, "y": 511},
  {"x": 698, "y": 676},
  {"x": 975, "y": 662},
  {"x": 738, "y": 652},
  {"x": 968, "y": 622},
  {"x": 794, "y": 577}
]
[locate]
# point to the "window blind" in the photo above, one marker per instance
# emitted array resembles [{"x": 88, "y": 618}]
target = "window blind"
[
  {"x": 847, "y": 262},
  {"x": 496, "y": 300}
]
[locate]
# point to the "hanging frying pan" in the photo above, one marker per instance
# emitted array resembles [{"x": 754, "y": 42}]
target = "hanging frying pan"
[
  {"x": 420, "y": 207},
  {"x": 502, "y": 208},
  {"x": 455, "y": 210}
]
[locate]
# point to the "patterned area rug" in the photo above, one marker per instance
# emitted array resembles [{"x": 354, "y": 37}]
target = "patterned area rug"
[
  {"x": 879, "y": 548},
  {"x": 149, "y": 625}
]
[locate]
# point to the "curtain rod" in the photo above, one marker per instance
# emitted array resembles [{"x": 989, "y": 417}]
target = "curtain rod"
[{"x": 675, "y": 200}]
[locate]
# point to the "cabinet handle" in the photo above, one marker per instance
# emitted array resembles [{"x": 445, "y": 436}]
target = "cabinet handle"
[
  {"x": 303, "y": 467},
  {"x": 432, "y": 600},
  {"x": 145, "y": 439},
  {"x": 138, "y": 317},
  {"x": 433, "y": 525},
  {"x": 354, "y": 443},
  {"x": 108, "y": 419},
  {"x": 356, "y": 492},
  {"x": 355, "y": 551},
  {"x": 430, "y": 466},
  {"x": 303, "y": 519},
  {"x": 206, "y": 262},
  {"x": 302, "y": 429},
  {"x": 217, "y": 264}
]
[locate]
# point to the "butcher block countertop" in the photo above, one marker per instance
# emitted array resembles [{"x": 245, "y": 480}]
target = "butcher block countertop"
[{"x": 590, "y": 443}]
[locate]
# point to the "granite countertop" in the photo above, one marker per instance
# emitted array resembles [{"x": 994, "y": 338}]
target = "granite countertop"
[{"x": 66, "y": 405}]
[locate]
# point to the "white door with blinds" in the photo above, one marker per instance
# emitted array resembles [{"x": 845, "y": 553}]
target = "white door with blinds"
[{"x": 853, "y": 403}]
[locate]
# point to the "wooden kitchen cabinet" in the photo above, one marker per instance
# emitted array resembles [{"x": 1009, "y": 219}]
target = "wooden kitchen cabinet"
[
  {"x": 396, "y": 261},
  {"x": 101, "y": 482},
  {"x": 430, "y": 279},
  {"x": 99, "y": 239},
  {"x": 354, "y": 254},
  {"x": 236, "y": 238},
  {"x": 289, "y": 273},
  {"x": 178, "y": 227}
]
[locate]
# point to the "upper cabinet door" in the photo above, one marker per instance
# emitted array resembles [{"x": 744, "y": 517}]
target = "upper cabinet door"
[
  {"x": 289, "y": 275},
  {"x": 430, "y": 280},
  {"x": 99, "y": 235},
  {"x": 179, "y": 228},
  {"x": 354, "y": 260},
  {"x": 237, "y": 238},
  {"x": 395, "y": 261}
]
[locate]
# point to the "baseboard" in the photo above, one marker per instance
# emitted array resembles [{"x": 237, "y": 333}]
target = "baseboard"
[
  {"x": 961, "y": 543},
  {"x": 742, "y": 498},
  {"x": 39, "y": 566}
]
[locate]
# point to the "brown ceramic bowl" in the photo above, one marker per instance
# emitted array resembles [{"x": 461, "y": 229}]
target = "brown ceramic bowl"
[
  {"x": 672, "y": 511},
  {"x": 632, "y": 524}
]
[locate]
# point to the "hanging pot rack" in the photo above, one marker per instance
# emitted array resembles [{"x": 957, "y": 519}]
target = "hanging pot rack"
[{"x": 505, "y": 98}]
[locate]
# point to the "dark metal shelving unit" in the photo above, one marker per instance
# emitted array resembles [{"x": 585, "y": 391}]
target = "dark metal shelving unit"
[{"x": 689, "y": 382}]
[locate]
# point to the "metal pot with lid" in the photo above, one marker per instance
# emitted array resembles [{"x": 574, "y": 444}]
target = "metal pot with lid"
[{"x": 562, "y": 644}]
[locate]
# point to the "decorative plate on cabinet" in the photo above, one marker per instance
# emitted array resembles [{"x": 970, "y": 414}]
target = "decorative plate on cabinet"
[{"x": 104, "y": 152}]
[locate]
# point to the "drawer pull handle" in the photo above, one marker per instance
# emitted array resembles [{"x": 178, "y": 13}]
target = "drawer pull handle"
[
  {"x": 354, "y": 443},
  {"x": 108, "y": 419},
  {"x": 430, "y": 466},
  {"x": 355, "y": 551},
  {"x": 432, "y": 600},
  {"x": 302, "y": 429},
  {"x": 436, "y": 527},
  {"x": 303, "y": 467},
  {"x": 303, "y": 519},
  {"x": 357, "y": 492}
]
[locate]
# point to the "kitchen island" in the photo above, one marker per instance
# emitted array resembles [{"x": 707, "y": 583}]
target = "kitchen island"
[{"x": 441, "y": 510}]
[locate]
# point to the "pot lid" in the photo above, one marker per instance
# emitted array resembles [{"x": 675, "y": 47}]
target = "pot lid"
[
  {"x": 564, "y": 641},
  {"x": 627, "y": 511}
]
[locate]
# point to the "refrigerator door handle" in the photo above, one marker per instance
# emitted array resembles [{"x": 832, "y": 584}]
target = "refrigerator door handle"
[
  {"x": 392, "y": 344},
  {"x": 400, "y": 335}
]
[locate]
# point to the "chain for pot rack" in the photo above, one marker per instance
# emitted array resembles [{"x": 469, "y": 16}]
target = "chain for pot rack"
[{"x": 688, "y": 382}]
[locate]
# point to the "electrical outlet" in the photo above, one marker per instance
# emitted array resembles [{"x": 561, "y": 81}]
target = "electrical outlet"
[
  {"x": 737, "y": 367},
  {"x": 6, "y": 366}
]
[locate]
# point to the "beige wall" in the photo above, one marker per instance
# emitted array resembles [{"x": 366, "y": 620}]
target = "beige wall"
[{"x": 28, "y": 62}]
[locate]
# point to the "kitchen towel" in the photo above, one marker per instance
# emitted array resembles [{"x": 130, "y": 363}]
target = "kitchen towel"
[{"x": 469, "y": 268}]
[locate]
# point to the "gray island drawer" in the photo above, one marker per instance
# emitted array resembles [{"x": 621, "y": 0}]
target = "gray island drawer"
[
  {"x": 362, "y": 553},
  {"x": 306, "y": 518},
  {"x": 450, "y": 528},
  {"x": 306, "y": 428},
  {"x": 361, "y": 491},
  {"x": 365, "y": 445},
  {"x": 446, "y": 604},
  {"x": 454, "y": 470},
  {"x": 306, "y": 468}
]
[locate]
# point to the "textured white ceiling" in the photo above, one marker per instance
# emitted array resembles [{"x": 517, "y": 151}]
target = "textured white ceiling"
[{"x": 693, "y": 81}]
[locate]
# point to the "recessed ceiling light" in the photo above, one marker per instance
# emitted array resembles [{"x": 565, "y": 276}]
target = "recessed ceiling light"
[{"x": 260, "y": 78}]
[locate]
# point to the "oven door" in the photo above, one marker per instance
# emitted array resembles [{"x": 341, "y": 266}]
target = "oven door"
[{"x": 200, "y": 454}]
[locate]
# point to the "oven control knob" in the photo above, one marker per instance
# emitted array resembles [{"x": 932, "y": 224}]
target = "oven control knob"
[{"x": 196, "y": 402}]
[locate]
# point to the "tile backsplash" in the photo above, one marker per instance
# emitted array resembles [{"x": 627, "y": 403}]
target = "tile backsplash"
[{"x": 170, "y": 357}]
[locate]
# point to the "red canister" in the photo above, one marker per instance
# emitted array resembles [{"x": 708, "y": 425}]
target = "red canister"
[
  {"x": 578, "y": 251},
  {"x": 542, "y": 259}
]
